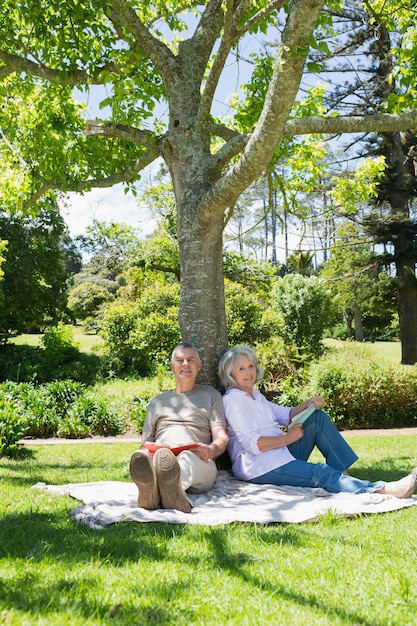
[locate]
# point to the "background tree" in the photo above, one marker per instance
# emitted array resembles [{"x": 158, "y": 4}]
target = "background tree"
[
  {"x": 141, "y": 53},
  {"x": 85, "y": 300},
  {"x": 365, "y": 295},
  {"x": 382, "y": 78},
  {"x": 35, "y": 281}
]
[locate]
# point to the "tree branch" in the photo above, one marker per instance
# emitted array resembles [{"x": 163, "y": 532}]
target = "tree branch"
[
  {"x": 122, "y": 15},
  {"x": 286, "y": 78},
  {"x": 15, "y": 63},
  {"x": 379, "y": 123},
  {"x": 218, "y": 63},
  {"x": 258, "y": 17},
  {"x": 125, "y": 176},
  {"x": 97, "y": 128}
]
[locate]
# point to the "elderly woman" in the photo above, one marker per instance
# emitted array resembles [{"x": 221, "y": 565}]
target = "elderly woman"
[{"x": 262, "y": 453}]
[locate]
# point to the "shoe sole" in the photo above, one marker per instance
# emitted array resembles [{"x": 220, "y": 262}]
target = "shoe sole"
[
  {"x": 168, "y": 475},
  {"x": 143, "y": 476}
]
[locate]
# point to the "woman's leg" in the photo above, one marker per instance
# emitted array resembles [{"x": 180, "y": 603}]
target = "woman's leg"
[
  {"x": 304, "y": 474},
  {"x": 320, "y": 432}
]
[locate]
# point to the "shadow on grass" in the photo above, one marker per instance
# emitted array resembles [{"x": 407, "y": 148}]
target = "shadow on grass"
[
  {"x": 35, "y": 541},
  {"x": 52, "y": 558}
]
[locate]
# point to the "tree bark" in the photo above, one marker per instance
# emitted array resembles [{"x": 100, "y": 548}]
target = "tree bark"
[
  {"x": 398, "y": 193},
  {"x": 358, "y": 323}
]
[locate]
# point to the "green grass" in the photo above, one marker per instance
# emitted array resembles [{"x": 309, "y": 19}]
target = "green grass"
[
  {"x": 385, "y": 349},
  {"x": 87, "y": 342},
  {"x": 356, "y": 571}
]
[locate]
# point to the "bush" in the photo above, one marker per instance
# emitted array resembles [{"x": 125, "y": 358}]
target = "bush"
[
  {"x": 63, "y": 409},
  {"x": 22, "y": 363},
  {"x": 85, "y": 299},
  {"x": 139, "y": 336},
  {"x": 278, "y": 367},
  {"x": 305, "y": 307},
  {"x": 12, "y": 427},
  {"x": 248, "y": 319},
  {"x": 360, "y": 390}
]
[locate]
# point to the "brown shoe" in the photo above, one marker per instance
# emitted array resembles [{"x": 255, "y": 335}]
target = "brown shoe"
[
  {"x": 143, "y": 475},
  {"x": 168, "y": 474}
]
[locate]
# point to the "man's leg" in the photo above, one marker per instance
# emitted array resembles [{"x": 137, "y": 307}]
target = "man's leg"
[
  {"x": 320, "y": 432},
  {"x": 197, "y": 476},
  {"x": 143, "y": 475}
]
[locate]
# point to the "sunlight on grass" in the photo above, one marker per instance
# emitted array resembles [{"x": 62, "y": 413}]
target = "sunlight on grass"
[
  {"x": 385, "y": 349},
  {"x": 87, "y": 342},
  {"x": 337, "y": 571}
]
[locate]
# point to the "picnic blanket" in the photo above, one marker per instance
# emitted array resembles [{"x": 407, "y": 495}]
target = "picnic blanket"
[{"x": 230, "y": 500}]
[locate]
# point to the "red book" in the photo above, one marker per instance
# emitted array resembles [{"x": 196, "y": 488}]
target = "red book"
[{"x": 153, "y": 447}]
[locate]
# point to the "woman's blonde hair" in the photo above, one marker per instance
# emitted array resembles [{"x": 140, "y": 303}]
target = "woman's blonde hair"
[{"x": 228, "y": 361}]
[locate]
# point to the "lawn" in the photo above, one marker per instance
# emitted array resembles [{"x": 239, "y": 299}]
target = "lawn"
[
  {"x": 385, "y": 349},
  {"x": 86, "y": 342},
  {"x": 336, "y": 571}
]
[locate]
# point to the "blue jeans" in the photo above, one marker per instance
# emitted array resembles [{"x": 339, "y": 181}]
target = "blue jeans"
[{"x": 320, "y": 432}]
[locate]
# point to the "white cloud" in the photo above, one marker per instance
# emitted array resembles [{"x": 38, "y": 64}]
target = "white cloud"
[{"x": 105, "y": 205}]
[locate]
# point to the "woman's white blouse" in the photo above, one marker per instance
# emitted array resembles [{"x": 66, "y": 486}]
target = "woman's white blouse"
[{"x": 248, "y": 419}]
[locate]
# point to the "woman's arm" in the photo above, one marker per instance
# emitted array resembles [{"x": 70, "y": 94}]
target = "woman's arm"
[{"x": 280, "y": 441}]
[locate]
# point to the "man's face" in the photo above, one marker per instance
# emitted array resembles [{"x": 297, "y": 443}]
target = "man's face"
[{"x": 185, "y": 364}]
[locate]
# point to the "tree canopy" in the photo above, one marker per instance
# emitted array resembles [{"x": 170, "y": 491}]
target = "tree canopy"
[{"x": 158, "y": 66}]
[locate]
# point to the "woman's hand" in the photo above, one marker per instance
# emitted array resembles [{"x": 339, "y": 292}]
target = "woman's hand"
[
  {"x": 317, "y": 400},
  {"x": 294, "y": 433}
]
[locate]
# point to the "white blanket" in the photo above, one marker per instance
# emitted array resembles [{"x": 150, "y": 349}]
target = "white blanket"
[{"x": 230, "y": 500}]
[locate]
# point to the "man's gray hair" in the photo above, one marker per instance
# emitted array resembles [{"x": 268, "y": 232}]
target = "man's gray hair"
[{"x": 182, "y": 346}]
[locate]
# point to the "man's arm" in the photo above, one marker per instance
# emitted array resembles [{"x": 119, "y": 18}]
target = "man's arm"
[{"x": 216, "y": 447}]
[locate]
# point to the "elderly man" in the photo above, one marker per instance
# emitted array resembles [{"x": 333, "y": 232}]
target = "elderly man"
[{"x": 191, "y": 416}]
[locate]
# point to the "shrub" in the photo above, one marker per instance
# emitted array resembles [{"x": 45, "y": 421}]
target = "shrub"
[
  {"x": 58, "y": 360},
  {"x": 63, "y": 408},
  {"x": 139, "y": 406},
  {"x": 248, "y": 319},
  {"x": 139, "y": 336},
  {"x": 62, "y": 358},
  {"x": 85, "y": 299},
  {"x": 304, "y": 304},
  {"x": 12, "y": 427},
  {"x": 278, "y": 366},
  {"x": 34, "y": 406},
  {"x": 360, "y": 390},
  {"x": 21, "y": 363}
]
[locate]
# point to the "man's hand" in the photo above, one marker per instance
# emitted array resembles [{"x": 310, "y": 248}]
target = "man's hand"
[
  {"x": 204, "y": 452},
  {"x": 216, "y": 447}
]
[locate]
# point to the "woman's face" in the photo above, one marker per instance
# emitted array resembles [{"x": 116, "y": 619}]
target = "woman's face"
[{"x": 244, "y": 373}]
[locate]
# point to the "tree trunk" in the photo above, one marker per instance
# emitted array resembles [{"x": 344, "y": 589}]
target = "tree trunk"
[
  {"x": 407, "y": 310},
  {"x": 399, "y": 187},
  {"x": 358, "y": 323},
  {"x": 202, "y": 313},
  {"x": 202, "y": 316},
  {"x": 398, "y": 193}
]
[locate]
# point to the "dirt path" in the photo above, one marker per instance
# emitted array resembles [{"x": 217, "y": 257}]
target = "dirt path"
[{"x": 135, "y": 437}]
